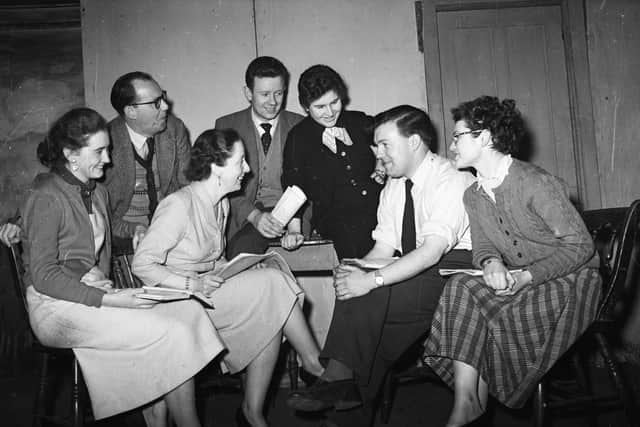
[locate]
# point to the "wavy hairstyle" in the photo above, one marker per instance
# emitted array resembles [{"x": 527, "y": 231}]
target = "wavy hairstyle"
[
  {"x": 317, "y": 80},
  {"x": 70, "y": 131},
  {"x": 501, "y": 118},
  {"x": 212, "y": 146}
]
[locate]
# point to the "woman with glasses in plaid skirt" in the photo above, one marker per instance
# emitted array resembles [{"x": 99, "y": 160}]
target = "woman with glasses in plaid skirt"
[{"x": 499, "y": 333}]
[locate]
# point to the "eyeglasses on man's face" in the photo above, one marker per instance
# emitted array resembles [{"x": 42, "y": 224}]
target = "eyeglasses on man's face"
[
  {"x": 156, "y": 102},
  {"x": 456, "y": 135}
]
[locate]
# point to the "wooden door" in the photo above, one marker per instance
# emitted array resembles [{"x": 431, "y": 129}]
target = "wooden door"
[{"x": 512, "y": 53}]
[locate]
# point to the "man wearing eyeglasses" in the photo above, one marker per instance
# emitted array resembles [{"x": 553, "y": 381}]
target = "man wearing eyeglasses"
[
  {"x": 149, "y": 151},
  {"x": 263, "y": 127}
]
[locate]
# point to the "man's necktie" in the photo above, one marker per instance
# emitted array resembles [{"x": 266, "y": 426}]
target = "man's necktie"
[
  {"x": 266, "y": 137},
  {"x": 408, "y": 238},
  {"x": 147, "y": 164}
]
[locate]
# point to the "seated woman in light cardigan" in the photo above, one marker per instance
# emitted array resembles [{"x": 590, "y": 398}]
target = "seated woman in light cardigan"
[
  {"x": 132, "y": 353},
  {"x": 252, "y": 309}
]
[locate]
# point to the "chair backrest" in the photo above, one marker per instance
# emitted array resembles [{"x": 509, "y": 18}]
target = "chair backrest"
[
  {"x": 121, "y": 273},
  {"x": 17, "y": 271},
  {"x": 616, "y": 237}
]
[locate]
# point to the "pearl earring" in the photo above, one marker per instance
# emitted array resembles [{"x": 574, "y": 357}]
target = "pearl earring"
[{"x": 74, "y": 166}]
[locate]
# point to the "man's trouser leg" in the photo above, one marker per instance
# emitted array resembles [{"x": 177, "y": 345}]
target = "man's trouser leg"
[
  {"x": 412, "y": 304},
  {"x": 248, "y": 239}
]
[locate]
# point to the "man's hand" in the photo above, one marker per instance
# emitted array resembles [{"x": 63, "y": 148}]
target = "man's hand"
[
  {"x": 10, "y": 233},
  {"x": 291, "y": 240},
  {"x": 138, "y": 234},
  {"x": 350, "y": 282},
  {"x": 267, "y": 225}
]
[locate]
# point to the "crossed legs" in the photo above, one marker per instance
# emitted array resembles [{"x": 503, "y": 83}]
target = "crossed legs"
[{"x": 260, "y": 369}]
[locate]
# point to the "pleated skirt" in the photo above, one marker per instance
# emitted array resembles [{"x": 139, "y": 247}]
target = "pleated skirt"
[
  {"x": 511, "y": 340},
  {"x": 128, "y": 357}
]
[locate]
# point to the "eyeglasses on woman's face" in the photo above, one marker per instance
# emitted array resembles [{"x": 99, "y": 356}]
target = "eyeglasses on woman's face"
[
  {"x": 456, "y": 135},
  {"x": 156, "y": 102}
]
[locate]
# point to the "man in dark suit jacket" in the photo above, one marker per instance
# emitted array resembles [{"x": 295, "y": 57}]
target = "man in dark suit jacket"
[
  {"x": 263, "y": 127},
  {"x": 149, "y": 152}
]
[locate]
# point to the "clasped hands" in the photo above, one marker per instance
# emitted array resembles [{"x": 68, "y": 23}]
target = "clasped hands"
[
  {"x": 349, "y": 281},
  {"x": 498, "y": 277}
]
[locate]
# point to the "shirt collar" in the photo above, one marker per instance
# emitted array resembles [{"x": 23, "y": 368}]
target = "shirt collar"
[
  {"x": 137, "y": 139},
  {"x": 257, "y": 121},
  {"x": 489, "y": 183},
  {"x": 420, "y": 175}
]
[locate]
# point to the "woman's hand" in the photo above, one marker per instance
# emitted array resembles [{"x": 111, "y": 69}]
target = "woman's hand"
[
  {"x": 126, "y": 298},
  {"x": 207, "y": 284},
  {"x": 521, "y": 278},
  {"x": 96, "y": 278},
  {"x": 379, "y": 174},
  {"x": 350, "y": 281},
  {"x": 497, "y": 276},
  {"x": 291, "y": 240}
]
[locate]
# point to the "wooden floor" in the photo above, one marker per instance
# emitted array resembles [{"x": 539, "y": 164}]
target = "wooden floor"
[{"x": 424, "y": 404}]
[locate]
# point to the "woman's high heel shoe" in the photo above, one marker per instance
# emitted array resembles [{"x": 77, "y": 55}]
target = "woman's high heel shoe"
[{"x": 241, "y": 419}]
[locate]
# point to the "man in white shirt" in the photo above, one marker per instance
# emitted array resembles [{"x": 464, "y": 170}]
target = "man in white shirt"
[
  {"x": 380, "y": 314},
  {"x": 263, "y": 127}
]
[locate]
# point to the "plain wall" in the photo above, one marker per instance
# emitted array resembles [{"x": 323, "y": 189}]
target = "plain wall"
[
  {"x": 614, "y": 61},
  {"x": 198, "y": 50}
]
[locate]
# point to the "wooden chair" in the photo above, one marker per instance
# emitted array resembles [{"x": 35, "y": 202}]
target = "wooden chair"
[
  {"x": 44, "y": 398},
  {"x": 617, "y": 239}
]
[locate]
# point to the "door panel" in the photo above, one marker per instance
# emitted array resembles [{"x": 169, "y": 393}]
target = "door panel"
[{"x": 514, "y": 52}]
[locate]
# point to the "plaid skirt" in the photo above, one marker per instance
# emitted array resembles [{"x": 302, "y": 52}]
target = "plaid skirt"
[{"x": 511, "y": 340}]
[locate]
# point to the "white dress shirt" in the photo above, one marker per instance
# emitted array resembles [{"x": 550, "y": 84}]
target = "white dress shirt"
[{"x": 437, "y": 193}]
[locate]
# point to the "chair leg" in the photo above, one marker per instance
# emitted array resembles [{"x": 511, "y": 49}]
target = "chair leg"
[
  {"x": 292, "y": 368},
  {"x": 77, "y": 410},
  {"x": 590, "y": 413},
  {"x": 618, "y": 381},
  {"x": 539, "y": 401},
  {"x": 387, "y": 396},
  {"x": 40, "y": 400}
]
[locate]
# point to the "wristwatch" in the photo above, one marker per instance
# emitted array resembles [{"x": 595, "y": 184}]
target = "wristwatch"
[{"x": 378, "y": 278}]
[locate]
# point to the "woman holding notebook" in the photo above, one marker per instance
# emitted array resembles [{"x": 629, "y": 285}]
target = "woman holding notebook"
[
  {"x": 328, "y": 155},
  {"x": 500, "y": 333},
  {"x": 183, "y": 249},
  {"x": 132, "y": 352}
]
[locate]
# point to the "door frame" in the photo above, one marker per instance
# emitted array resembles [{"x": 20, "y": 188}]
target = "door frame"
[{"x": 578, "y": 81}]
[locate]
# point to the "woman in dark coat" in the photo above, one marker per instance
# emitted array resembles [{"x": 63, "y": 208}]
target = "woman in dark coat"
[
  {"x": 328, "y": 156},
  {"x": 498, "y": 334}
]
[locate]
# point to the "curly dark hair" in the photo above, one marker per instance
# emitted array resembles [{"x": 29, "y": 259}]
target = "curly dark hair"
[
  {"x": 265, "y": 66},
  {"x": 501, "y": 118},
  {"x": 212, "y": 146},
  {"x": 317, "y": 80},
  {"x": 72, "y": 131},
  {"x": 123, "y": 92}
]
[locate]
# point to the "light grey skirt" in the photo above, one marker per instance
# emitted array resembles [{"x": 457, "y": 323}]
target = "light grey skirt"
[
  {"x": 128, "y": 357},
  {"x": 250, "y": 309}
]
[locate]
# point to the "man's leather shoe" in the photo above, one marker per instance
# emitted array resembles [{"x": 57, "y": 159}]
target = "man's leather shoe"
[{"x": 322, "y": 395}]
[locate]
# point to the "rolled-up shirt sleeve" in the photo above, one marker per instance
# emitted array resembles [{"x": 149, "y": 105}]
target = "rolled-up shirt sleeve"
[
  {"x": 443, "y": 212},
  {"x": 385, "y": 230}
]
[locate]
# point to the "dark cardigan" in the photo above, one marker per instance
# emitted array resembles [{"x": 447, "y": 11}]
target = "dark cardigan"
[
  {"x": 58, "y": 241},
  {"x": 531, "y": 225}
]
